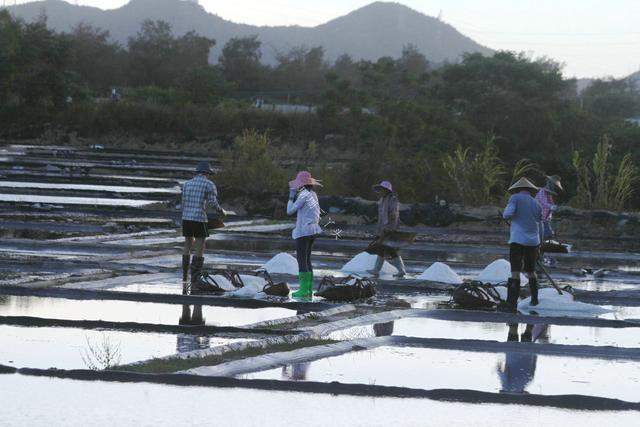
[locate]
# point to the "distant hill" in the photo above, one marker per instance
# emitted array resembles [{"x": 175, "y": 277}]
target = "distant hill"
[
  {"x": 379, "y": 29},
  {"x": 635, "y": 79}
]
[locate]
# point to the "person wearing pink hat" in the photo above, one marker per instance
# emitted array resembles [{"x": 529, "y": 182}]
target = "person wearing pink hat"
[
  {"x": 388, "y": 220},
  {"x": 303, "y": 201}
]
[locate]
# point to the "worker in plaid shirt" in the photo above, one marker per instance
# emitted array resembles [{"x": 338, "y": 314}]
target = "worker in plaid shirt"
[
  {"x": 548, "y": 204},
  {"x": 198, "y": 194}
]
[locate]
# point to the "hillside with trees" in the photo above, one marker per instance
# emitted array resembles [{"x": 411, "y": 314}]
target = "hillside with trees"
[{"x": 459, "y": 131}]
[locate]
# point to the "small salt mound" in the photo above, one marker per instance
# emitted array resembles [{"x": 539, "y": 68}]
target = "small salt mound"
[
  {"x": 499, "y": 271},
  {"x": 365, "y": 261},
  {"x": 442, "y": 273},
  {"x": 552, "y": 303},
  {"x": 283, "y": 263}
]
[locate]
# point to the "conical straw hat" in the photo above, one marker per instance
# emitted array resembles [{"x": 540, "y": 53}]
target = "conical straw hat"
[
  {"x": 555, "y": 180},
  {"x": 523, "y": 183}
]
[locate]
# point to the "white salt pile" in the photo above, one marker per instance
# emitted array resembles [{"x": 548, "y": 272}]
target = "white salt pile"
[
  {"x": 283, "y": 263},
  {"x": 442, "y": 273},
  {"x": 553, "y": 304},
  {"x": 365, "y": 261},
  {"x": 499, "y": 271}
]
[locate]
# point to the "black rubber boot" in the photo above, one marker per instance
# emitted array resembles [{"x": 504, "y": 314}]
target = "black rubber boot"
[
  {"x": 196, "y": 268},
  {"x": 513, "y": 293},
  {"x": 513, "y": 332},
  {"x": 185, "y": 267},
  {"x": 533, "y": 287},
  {"x": 527, "y": 335}
]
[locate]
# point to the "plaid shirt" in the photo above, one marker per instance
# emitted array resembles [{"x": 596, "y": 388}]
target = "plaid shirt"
[
  {"x": 546, "y": 202},
  {"x": 198, "y": 194}
]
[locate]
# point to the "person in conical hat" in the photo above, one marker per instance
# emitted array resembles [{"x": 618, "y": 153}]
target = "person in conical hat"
[
  {"x": 525, "y": 215},
  {"x": 546, "y": 197}
]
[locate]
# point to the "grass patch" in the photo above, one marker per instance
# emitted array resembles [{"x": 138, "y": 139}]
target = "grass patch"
[{"x": 159, "y": 366}]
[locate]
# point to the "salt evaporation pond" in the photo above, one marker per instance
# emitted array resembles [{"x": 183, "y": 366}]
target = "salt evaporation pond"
[
  {"x": 60, "y": 200},
  {"x": 65, "y": 348},
  {"x": 490, "y": 372},
  {"x": 88, "y": 187},
  {"x": 108, "y": 404},
  {"x": 364, "y": 261},
  {"x": 442, "y": 273},
  {"x": 552, "y": 334},
  {"x": 129, "y": 311}
]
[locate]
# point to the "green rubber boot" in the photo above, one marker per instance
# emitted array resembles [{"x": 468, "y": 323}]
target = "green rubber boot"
[{"x": 306, "y": 285}]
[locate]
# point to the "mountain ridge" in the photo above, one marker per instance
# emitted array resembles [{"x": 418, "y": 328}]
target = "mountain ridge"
[{"x": 373, "y": 31}]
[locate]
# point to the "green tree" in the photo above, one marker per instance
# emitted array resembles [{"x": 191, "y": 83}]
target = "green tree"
[
  {"x": 98, "y": 62},
  {"x": 240, "y": 62},
  {"x": 42, "y": 66},
  {"x": 10, "y": 42}
]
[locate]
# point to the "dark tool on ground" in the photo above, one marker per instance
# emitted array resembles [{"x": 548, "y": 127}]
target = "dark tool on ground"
[
  {"x": 476, "y": 295},
  {"x": 347, "y": 289}
]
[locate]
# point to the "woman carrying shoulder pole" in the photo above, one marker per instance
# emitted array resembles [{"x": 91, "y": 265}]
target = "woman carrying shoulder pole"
[
  {"x": 388, "y": 220},
  {"x": 303, "y": 201}
]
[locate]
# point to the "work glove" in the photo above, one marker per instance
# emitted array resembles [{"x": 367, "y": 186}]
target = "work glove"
[{"x": 292, "y": 193}]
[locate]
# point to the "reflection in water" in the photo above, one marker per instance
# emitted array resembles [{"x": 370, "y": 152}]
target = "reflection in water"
[
  {"x": 296, "y": 372},
  {"x": 188, "y": 342},
  {"x": 383, "y": 329},
  {"x": 520, "y": 368}
]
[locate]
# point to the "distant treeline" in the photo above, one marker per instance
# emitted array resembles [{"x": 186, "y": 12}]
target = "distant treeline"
[{"x": 433, "y": 130}]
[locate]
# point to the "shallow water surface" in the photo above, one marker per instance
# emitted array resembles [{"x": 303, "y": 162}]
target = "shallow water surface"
[
  {"x": 491, "y": 372},
  {"x": 70, "y": 348},
  {"x": 129, "y": 311},
  {"x": 553, "y": 334},
  {"x": 88, "y": 187},
  {"x": 60, "y": 200}
]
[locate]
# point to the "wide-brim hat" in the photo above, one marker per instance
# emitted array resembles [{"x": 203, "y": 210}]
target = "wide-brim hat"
[
  {"x": 523, "y": 183},
  {"x": 204, "y": 167},
  {"x": 302, "y": 179},
  {"x": 555, "y": 180},
  {"x": 384, "y": 185}
]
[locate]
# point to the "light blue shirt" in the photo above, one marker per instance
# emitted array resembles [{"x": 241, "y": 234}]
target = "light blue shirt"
[{"x": 525, "y": 214}]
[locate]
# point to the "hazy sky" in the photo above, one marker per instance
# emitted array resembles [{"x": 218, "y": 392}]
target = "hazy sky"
[{"x": 593, "y": 38}]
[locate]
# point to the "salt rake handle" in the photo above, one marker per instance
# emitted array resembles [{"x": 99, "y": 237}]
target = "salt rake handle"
[{"x": 544, "y": 270}]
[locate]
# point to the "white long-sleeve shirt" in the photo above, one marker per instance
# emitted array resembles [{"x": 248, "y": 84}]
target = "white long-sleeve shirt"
[{"x": 307, "y": 208}]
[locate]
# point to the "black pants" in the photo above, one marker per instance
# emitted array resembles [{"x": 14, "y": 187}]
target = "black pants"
[
  {"x": 523, "y": 256},
  {"x": 303, "y": 253}
]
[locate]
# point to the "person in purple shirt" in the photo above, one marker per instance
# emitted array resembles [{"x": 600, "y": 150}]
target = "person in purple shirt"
[{"x": 525, "y": 215}]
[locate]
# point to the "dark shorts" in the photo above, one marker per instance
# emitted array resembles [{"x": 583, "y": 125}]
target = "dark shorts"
[
  {"x": 194, "y": 229},
  {"x": 523, "y": 256}
]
